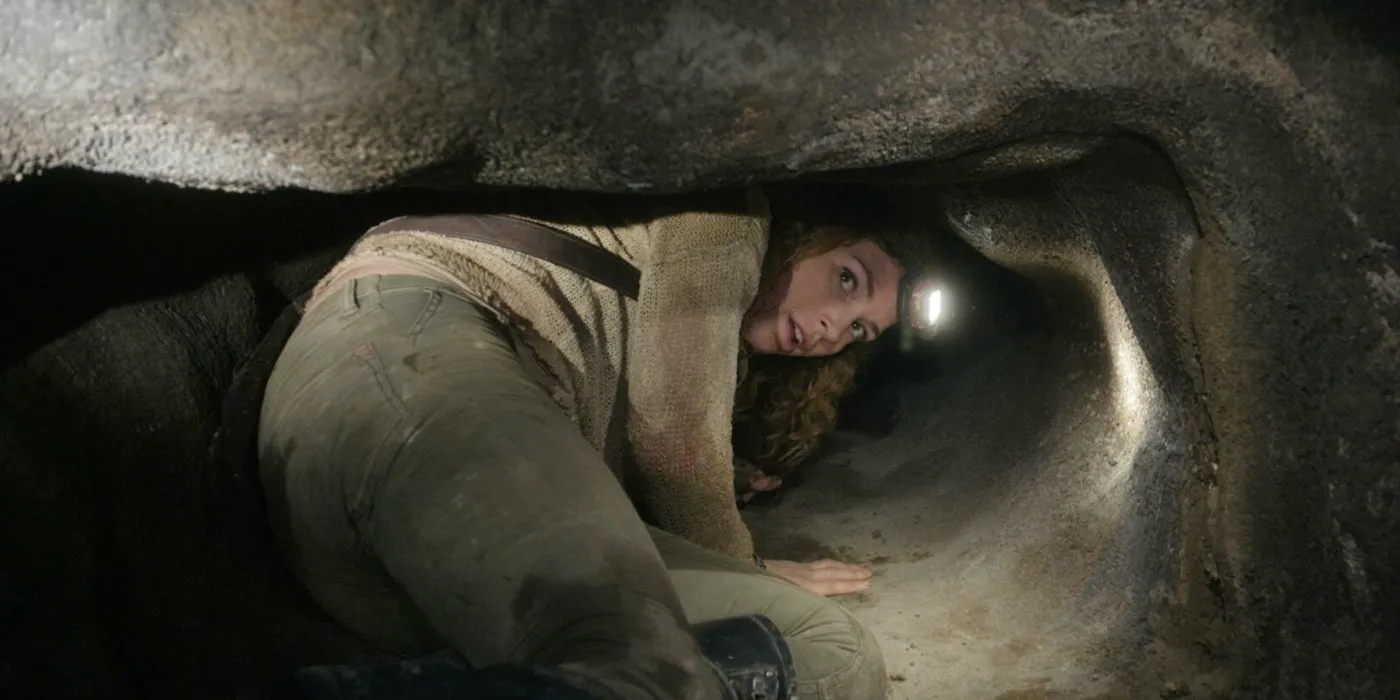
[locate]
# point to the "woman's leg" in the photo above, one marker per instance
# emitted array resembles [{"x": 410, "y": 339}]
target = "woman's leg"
[
  {"x": 836, "y": 657},
  {"x": 426, "y": 490}
]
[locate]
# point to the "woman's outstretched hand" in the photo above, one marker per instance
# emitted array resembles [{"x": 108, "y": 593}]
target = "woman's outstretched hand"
[{"x": 826, "y": 577}]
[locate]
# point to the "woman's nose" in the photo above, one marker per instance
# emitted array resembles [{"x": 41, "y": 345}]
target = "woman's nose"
[
  {"x": 833, "y": 330},
  {"x": 833, "y": 339},
  {"x": 835, "y": 325}
]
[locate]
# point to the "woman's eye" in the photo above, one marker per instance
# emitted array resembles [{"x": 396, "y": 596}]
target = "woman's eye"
[
  {"x": 848, "y": 280},
  {"x": 857, "y": 330}
]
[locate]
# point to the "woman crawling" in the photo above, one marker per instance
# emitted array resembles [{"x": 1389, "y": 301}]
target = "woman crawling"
[{"x": 462, "y": 438}]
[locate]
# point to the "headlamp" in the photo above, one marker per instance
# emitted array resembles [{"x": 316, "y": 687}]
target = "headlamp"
[{"x": 923, "y": 301}]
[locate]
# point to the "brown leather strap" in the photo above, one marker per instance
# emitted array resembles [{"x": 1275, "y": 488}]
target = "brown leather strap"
[{"x": 533, "y": 239}]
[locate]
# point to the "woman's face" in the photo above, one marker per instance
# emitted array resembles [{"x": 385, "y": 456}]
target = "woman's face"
[{"x": 825, "y": 302}]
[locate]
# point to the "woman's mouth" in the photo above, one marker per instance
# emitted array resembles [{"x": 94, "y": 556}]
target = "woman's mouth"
[{"x": 799, "y": 341}]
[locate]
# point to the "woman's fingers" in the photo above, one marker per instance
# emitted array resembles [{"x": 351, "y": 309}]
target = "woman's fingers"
[
  {"x": 836, "y": 586},
  {"x": 763, "y": 482},
  {"x": 758, "y": 483},
  {"x": 826, "y": 577},
  {"x": 840, "y": 587},
  {"x": 830, "y": 570}
]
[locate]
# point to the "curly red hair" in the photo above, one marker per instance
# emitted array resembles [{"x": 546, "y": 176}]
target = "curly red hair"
[{"x": 784, "y": 406}]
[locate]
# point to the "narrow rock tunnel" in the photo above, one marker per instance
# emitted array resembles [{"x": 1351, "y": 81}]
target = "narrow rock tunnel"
[
  {"x": 1022, "y": 502},
  {"x": 1157, "y": 455}
]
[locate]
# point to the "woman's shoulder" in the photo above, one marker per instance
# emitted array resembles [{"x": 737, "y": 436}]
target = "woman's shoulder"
[
  {"x": 732, "y": 222},
  {"x": 724, "y": 210}
]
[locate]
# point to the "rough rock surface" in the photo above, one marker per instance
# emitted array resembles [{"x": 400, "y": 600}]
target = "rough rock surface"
[{"x": 1217, "y": 199}]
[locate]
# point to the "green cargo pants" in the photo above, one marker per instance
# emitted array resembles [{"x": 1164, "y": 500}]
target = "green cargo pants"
[{"x": 428, "y": 493}]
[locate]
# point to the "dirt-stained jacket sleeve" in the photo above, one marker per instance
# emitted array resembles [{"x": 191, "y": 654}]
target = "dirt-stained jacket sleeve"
[{"x": 700, "y": 277}]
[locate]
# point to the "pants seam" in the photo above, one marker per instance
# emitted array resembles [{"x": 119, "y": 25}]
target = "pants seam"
[
  {"x": 367, "y": 354},
  {"x": 380, "y": 464},
  {"x": 426, "y": 314}
]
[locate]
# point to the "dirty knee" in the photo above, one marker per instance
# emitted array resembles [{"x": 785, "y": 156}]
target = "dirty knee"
[{"x": 838, "y": 658}]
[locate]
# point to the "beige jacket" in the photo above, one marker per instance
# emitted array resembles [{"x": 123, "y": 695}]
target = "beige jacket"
[{"x": 652, "y": 379}]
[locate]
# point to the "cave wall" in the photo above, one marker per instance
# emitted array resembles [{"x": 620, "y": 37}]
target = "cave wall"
[{"x": 1278, "y": 116}]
